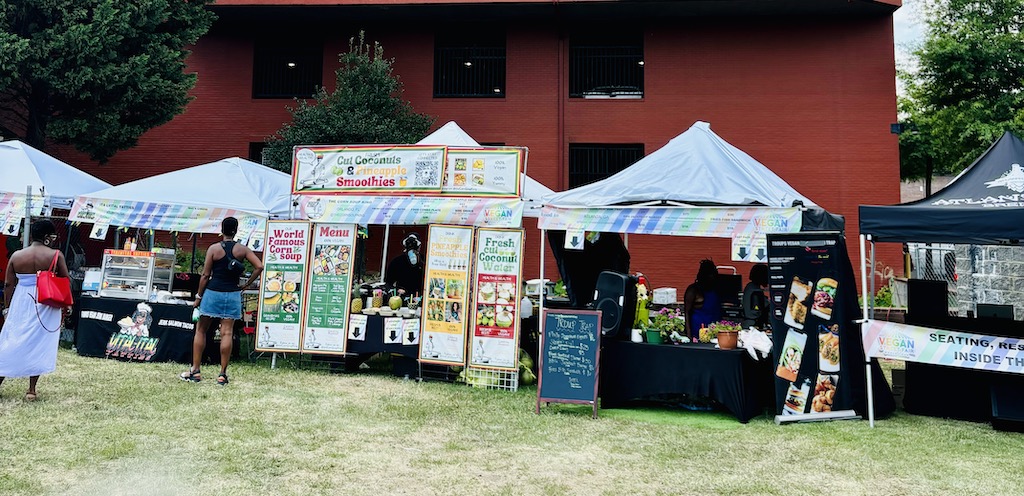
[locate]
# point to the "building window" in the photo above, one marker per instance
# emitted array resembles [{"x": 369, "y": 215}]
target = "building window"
[
  {"x": 470, "y": 66},
  {"x": 593, "y": 162},
  {"x": 287, "y": 71},
  {"x": 256, "y": 151},
  {"x": 606, "y": 66}
]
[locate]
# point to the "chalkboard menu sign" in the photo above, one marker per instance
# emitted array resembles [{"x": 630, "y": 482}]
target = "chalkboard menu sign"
[{"x": 569, "y": 357}]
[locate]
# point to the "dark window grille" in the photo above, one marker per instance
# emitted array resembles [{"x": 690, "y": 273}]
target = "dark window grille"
[
  {"x": 287, "y": 71},
  {"x": 469, "y": 68},
  {"x": 613, "y": 68},
  {"x": 256, "y": 151},
  {"x": 593, "y": 162}
]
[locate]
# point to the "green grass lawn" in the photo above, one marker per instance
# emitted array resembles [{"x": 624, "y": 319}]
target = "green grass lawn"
[{"x": 108, "y": 427}]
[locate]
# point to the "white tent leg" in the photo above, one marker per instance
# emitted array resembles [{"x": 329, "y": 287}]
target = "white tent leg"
[
  {"x": 543, "y": 289},
  {"x": 26, "y": 236},
  {"x": 384, "y": 257},
  {"x": 625, "y": 242},
  {"x": 863, "y": 328}
]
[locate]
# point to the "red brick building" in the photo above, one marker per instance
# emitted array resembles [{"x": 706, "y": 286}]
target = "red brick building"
[{"x": 807, "y": 87}]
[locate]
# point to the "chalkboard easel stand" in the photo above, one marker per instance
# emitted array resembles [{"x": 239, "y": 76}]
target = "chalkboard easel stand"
[{"x": 569, "y": 358}]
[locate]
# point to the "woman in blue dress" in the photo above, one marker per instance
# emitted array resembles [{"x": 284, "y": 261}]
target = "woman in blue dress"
[{"x": 700, "y": 302}]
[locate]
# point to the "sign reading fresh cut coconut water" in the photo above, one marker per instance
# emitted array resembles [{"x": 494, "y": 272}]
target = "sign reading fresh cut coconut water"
[
  {"x": 495, "y": 325},
  {"x": 285, "y": 260},
  {"x": 444, "y": 303},
  {"x": 327, "y": 294}
]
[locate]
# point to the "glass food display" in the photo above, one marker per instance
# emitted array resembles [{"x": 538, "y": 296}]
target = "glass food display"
[{"x": 134, "y": 274}]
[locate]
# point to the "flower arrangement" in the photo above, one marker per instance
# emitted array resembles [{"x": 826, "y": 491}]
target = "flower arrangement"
[
  {"x": 671, "y": 324},
  {"x": 711, "y": 332}
]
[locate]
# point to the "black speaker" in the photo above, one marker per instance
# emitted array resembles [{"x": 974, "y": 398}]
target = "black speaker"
[
  {"x": 1007, "y": 405},
  {"x": 927, "y": 298},
  {"x": 615, "y": 297}
]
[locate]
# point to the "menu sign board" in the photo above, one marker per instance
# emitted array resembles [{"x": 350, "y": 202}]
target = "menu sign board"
[
  {"x": 327, "y": 293},
  {"x": 483, "y": 171},
  {"x": 818, "y": 357},
  {"x": 285, "y": 260},
  {"x": 495, "y": 327},
  {"x": 569, "y": 357},
  {"x": 444, "y": 305},
  {"x": 368, "y": 169}
]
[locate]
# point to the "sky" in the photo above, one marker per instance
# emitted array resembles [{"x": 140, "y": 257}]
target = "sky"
[{"x": 908, "y": 31}]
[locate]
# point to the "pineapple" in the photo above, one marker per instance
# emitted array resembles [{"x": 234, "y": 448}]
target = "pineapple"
[
  {"x": 357, "y": 305},
  {"x": 378, "y": 299}
]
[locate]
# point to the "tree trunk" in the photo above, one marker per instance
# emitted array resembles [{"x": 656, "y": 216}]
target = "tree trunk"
[{"x": 38, "y": 116}]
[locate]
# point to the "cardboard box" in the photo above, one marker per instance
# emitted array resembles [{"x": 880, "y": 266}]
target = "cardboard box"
[{"x": 664, "y": 296}]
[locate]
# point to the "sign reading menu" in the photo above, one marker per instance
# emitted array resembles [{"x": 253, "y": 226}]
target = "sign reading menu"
[
  {"x": 818, "y": 357},
  {"x": 327, "y": 293},
  {"x": 483, "y": 171},
  {"x": 285, "y": 259},
  {"x": 368, "y": 169},
  {"x": 448, "y": 262},
  {"x": 569, "y": 357},
  {"x": 495, "y": 327}
]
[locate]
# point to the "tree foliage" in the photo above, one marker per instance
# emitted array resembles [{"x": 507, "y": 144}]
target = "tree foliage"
[
  {"x": 365, "y": 107},
  {"x": 968, "y": 87},
  {"x": 95, "y": 73}
]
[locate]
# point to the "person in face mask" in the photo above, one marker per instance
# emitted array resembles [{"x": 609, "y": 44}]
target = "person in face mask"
[{"x": 405, "y": 271}]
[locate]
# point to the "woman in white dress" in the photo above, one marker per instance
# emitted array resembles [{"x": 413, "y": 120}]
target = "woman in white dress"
[{"x": 31, "y": 332}]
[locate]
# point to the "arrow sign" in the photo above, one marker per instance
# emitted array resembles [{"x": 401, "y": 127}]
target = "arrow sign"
[
  {"x": 574, "y": 238},
  {"x": 760, "y": 254},
  {"x": 743, "y": 252},
  {"x": 393, "y": 330},
  {"x": 357, "y": 324}
]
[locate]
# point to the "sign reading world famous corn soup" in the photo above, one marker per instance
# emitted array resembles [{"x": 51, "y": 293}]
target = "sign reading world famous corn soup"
[
  {"x": 368, "y": 169},
  {"x": 448, "y": 262},
  {"x": 285, "y": 260},
  {"x": 495, "y": 321}
]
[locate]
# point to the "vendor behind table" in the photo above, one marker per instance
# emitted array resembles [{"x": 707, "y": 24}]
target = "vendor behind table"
[
  {"x": 405, "y": 272},
  {"x": 755, "y": 301}
]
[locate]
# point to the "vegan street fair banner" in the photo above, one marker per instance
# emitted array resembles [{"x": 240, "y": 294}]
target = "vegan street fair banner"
[
  {"x": 12, "y": 210},
  {"x": 285, "y": 260},
  {"x": 449, "y": 252},
  {"x": 709, "y": 222},
  {"x": 817, "y": 353},
  {"x": 161, "y": 216},
  {"x": 327, "y": 294},
  {"x": 368, "y": 169},
  {"x": 497, "y": 276},
  {"x": 421, "y": 210},
  {"x": 941, "y": 347},
  {"x": 483, "y": 172}
]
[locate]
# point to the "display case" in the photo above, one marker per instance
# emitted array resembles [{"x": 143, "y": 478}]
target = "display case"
[{"x": 136, "y": 274}]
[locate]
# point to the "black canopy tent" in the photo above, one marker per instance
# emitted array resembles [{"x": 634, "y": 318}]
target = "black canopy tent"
[{"x": 983, "y": 205}]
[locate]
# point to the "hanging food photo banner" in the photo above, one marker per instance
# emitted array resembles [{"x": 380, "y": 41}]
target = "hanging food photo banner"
[
  {"x": 449, "y": 251},
  {"x": 327, "y": 293},
  {"x": 941, "y": 347},
  {"x": 497, "y": 276},
  {"x": 368, "y": 169},
  {"x": 285, "y": 261},
  {"x": 483, "y": 172},
  {"x": 709, "y": 222},
  {"x": 162, "y": 216},
  {"x": 490, "y": 212}
]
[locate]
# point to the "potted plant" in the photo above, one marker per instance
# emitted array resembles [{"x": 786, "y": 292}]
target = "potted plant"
[
  {"x": 667, "y": 325},
  {"x": 727, "y": 333}
]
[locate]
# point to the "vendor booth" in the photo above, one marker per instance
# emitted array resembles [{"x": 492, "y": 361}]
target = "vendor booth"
[
  {"x": 470, "y": 197},
  {"x": 696, "y": 185},
  {"x": 136, "y": 313},
  {"x": 956, "y": 367}
]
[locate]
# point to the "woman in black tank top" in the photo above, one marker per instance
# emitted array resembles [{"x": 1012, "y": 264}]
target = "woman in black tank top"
[{"x": 219, "y": 296}]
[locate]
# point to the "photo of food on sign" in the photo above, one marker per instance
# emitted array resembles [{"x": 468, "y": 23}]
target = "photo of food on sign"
[
  {"x": 460, "y": 164},
  {"x": 824, "y": 393},
  {"x": 796, "y": 399},
  {"x": 460, "y": 180},
  {"x": 828, "y": 348},
  {"x": 478, "y": 164},
  {"x": 796, "y": 308},
  {"x": 436, "y": 310},
  {"x": 275, "y": 279},
  {"x": 478, "y": 179},
  {"x": 792, "y": 355},
  {"x": 290, "y": 292},
  {"x": 330, "y": 259},
  {"x": 436, "y": 287},
  {"x": 454, "y": 289},
  {"x": 824, "y": 297}
]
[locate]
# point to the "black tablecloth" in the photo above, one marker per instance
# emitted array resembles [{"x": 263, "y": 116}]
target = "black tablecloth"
[
  {"x": 169, "y": 337},
  {"x": 633, "y": 371}
]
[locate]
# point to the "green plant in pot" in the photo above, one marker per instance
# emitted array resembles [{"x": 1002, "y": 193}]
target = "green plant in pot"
[
  {"x": 727, "y": 333},
  {"x": 667, "y": 325}
]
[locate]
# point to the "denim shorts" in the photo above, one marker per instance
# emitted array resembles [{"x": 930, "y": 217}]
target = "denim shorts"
[{"x": 221, "y": 304}]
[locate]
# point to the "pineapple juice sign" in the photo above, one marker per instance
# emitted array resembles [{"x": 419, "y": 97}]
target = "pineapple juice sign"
[
  {"x": 448, "y": 262},
  {"x": 327, "y": 294},
  {"x": 285, "y": 259},
  {"x": 495, "y": 324},
  {"x": 368, "y": 169}
]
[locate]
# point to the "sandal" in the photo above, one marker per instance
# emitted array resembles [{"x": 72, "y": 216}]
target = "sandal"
[
  {"x": 222, "y": 380},
  {"x": 30, "y": 396},
  {"x": 191, "y": 376}
]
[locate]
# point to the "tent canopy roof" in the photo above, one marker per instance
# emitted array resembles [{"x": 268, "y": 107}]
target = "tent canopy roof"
[
  {"x": 983, "y": 205},
  {"x": 232, "y": 183},
  {"x": 22, "y": 166},
  {"x": 696, "y": 168}
]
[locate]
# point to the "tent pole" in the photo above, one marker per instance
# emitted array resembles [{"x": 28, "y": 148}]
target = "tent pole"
[
  {"x": 192, "y": 268},
  {"x": 384, "y": 257},
  {"x": 543, "y": 289},
  {"x": 26, "y": 237},
  {"x": 626, "y": 241},
  {"x": 863, "y": 328},
  {"x": 871, "y": 312}
]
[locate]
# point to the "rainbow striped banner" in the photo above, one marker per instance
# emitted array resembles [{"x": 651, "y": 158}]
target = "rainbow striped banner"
[
  {"x": 941, "y": 347},
  {"x": 13, "y": 205},
  {"x": 400, "y": 210},
  {"x": 714, "y": 222},
  {"x": 162, "y": 216}
]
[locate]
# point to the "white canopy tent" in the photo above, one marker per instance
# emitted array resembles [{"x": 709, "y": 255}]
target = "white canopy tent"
[
  {"x": 23, "y": 167},
  {"x": 195, "y": 199}
]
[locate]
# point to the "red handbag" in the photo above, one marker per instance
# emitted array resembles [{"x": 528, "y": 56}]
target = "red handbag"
[{"x": 51, "y": 289}]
